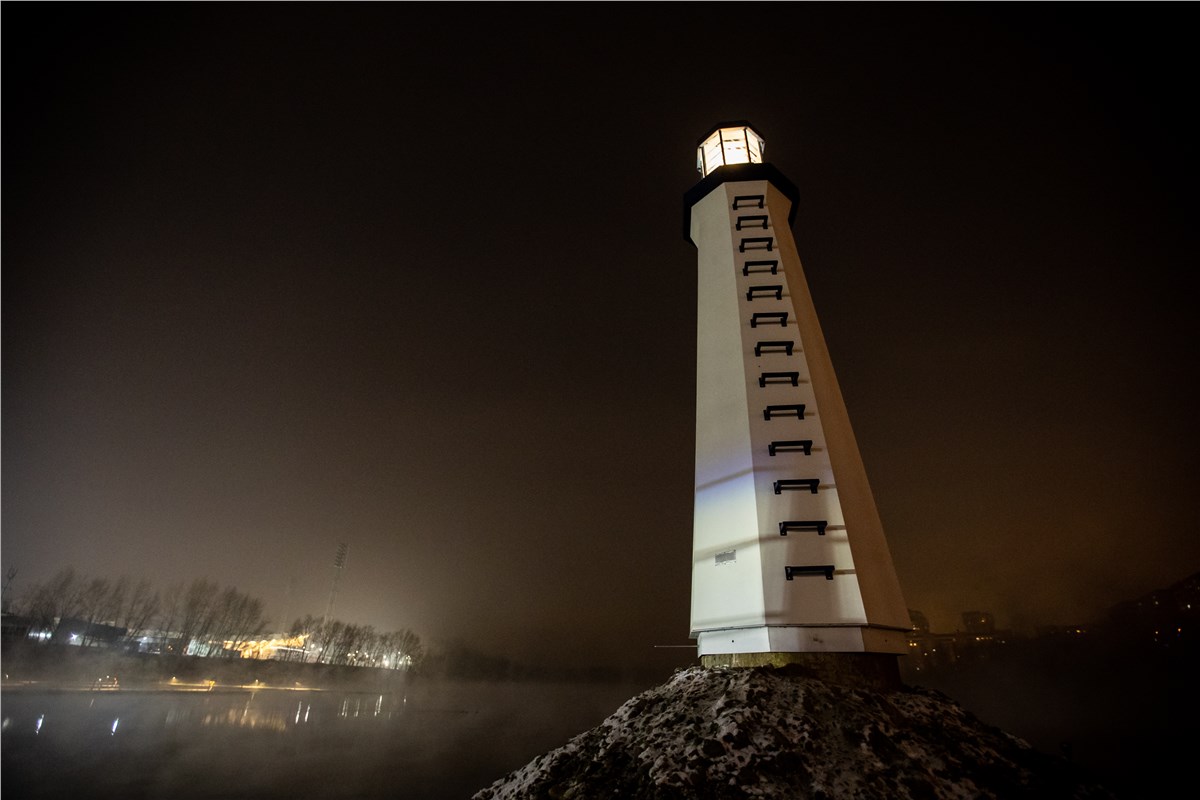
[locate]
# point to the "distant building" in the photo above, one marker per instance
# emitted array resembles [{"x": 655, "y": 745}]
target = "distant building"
[
  {"x": 1164, "y": 620},
  {"x": 14, "y": 628},
  {"x": 930, "y": 651},
  {"x": 978, "y": 641},
  {"x": 86, "y": 634},
  {"x": 978, "y": 622},
  {"x": 1168, "y": 618},
  {"x": 1063, "y": 632},
  {"x": 927, "y": 650}
]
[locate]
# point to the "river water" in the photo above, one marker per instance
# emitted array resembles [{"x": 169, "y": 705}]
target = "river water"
[{"x": 430, "y": 741}]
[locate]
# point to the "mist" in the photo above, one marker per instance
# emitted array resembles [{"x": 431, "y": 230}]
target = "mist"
[
  {"x": 1124, "y": 713},
  {"x": 436, "y": 739}
]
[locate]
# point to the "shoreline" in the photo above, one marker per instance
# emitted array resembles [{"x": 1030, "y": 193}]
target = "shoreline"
[
  {"x": 54, "y": 687},
  {"x": 66, "y": 668}
]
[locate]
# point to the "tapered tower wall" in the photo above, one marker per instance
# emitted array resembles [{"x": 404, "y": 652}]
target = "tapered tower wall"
[{"x": 788, "y": 549}]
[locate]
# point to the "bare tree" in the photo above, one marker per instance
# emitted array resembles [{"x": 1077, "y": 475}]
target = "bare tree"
[
  {"x": 250, "y": 620},
  {"x": 110, "y": 610},
  {"x": 201, "y": 611},
  {"x": 170, "y": 611},
  {"x": 325, "y": 637},
  {"x": 94, "y": 602},
  {"x": 372, "y": 646},
  {"x": 141, "y": 606},
  {"x": 57, "y": 599},
  {"x": 198, "y": 608},
  {"x": 304, "y": 626},
  {"x": 345, "y": 645},
  {"x": 240, "y": 618},
  {"x": 355, "y": 644},
  {"x": 224, "y": 610},
  {"x": 308, "y": 627},
  {"x": 403, "y": 649}
]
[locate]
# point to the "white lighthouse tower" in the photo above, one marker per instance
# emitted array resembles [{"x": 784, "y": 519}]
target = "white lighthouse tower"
[{"x": 789, "y": 559}]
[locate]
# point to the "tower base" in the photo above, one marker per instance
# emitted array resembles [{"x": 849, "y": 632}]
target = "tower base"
[
  {"x": 801, "y": 639},
  {"x": 878, "y": 671}
]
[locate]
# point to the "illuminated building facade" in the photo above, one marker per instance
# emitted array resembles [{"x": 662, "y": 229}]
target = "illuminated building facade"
[{"x": 789, "y": 555}]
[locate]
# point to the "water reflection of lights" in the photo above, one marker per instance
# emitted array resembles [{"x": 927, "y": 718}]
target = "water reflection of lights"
[
  {"x": 246, "y": 718},
  {"x": 265, "y": 712}
]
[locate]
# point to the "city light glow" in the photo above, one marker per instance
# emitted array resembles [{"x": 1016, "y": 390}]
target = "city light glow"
[{"x": 267, "y": 648}]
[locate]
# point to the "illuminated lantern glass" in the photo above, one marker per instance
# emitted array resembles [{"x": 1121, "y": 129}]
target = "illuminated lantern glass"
[{"x": 737, "y": 145}]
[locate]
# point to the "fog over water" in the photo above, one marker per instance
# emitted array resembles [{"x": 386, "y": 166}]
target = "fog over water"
[
  {"x": 1127, "y": 715},
  {"x": 434, "y": 739}
]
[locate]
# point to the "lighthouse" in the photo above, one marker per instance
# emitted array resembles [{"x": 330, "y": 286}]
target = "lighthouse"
[{"x": 789, "y": 559}]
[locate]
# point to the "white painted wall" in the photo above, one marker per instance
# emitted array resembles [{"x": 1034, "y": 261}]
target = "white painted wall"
[
  {"x": 726, "y": 592},
  {"x": 741, "y": 598}
]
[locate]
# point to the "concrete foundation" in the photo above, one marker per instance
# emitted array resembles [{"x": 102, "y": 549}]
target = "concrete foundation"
[{"x": 876, "y": 671}]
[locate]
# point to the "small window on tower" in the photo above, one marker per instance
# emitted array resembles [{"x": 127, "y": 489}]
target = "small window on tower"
[
  {"x": 768, "y": 318},
  {"x": 774, "y": 347},
  {"x": 748, "y": 201},
  {"x": 817, "y": 525},
  {"x": 752, "y": 221},
  {"x": 751, "y": 267},
  {"x": 757, "y": 243},
  {"x": 791, "y": 378},
  {"x": 791, "y": 446},
  {"x": 795, "y": 484},
  {"x": 774, "y": 290},
  {"x": 795, "y": 410},
  {"x": 809, "y": 569}
]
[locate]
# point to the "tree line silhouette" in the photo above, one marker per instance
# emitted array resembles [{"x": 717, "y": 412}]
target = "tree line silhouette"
[{"x": 196, "y": 617}]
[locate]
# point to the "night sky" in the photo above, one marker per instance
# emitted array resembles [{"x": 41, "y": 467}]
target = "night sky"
[{"x": 412, "y": 277}]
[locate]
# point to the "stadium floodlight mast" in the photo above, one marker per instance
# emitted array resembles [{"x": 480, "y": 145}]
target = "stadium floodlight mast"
[
  {"x": 789, "y": 559},
  {"x": 339, "y": 564}
]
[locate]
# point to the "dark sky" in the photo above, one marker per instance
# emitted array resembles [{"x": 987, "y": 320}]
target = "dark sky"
[{"x": 412, "y": 277}]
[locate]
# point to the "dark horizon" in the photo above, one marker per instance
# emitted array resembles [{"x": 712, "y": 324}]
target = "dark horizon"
[{"x": 410, "y": 277}]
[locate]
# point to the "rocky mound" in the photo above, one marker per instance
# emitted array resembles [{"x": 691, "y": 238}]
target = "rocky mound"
[{"x": 715, "y": 733}]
